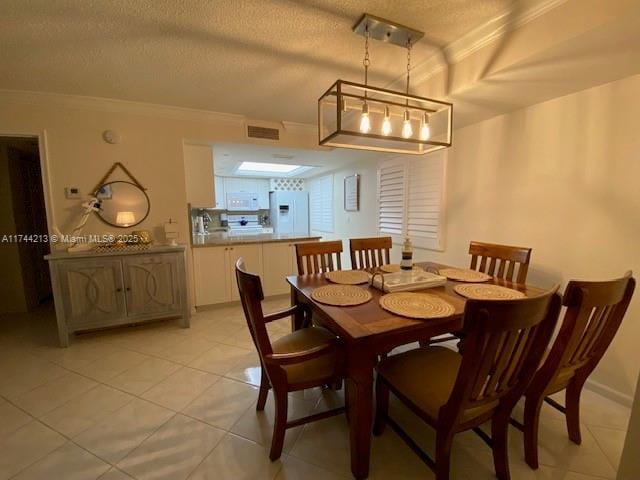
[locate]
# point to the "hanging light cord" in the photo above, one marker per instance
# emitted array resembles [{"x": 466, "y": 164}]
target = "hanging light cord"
[
  {"x": 408, "y": 66},
  {"x": 366, "y": 61}
]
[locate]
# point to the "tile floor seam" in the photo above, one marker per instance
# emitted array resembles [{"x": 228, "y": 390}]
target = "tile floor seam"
[{"x": 595, "y": 437}]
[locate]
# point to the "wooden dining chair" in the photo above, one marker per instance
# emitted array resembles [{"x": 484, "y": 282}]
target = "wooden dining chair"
[
  {"x": 455, "y": 392},
  {"x": 369, "y": 253},
  {"x": 593, "y": 316},
  {"x": 318, "y": 257},
  {"x": 500, "y": 260},
  {"x": 307, "y": 358}
]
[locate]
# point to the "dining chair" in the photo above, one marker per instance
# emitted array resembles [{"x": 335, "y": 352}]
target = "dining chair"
[
  {"x": 486, "y": 257},
  {"x": 594, "y": 311},
  {"x": 369, "y": 253},
  {"x": 318, "y": 257},
  {"x": 307, "y": 358},
  {"x": 455, "y": 392}
]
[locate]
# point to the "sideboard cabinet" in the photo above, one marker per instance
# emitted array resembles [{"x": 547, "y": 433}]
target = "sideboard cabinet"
[{"x": 97, "y": 290}]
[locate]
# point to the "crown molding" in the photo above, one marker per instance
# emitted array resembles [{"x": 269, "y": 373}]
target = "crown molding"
[
  {"x": 478, "y": 38},
  {"x": 118, "y": 106}
]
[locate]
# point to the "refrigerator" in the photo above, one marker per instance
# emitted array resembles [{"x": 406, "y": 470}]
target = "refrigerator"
[{"x": 289, "y": 212}]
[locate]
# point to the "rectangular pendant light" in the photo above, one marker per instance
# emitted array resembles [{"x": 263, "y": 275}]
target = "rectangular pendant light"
[{"x": 397, "y": 122}]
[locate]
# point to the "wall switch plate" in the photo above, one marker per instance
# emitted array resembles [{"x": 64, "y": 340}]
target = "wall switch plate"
[{"x": 71, "y": 192}]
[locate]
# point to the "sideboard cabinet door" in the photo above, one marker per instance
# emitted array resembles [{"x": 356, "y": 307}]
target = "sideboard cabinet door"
[
  {"x": 92, "y": 291},
  {"x": 151, "y": 284}
]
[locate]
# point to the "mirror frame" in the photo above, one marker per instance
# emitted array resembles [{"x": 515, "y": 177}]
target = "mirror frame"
[{"x": 95, "y": 194}]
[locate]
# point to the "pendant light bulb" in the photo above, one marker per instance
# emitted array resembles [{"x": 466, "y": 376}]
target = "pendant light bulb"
[
  {"x": 407, "y": 130},
  {"x": 386, "y": 123},
  {"x": 425, "y": 131},
  {"x": 365, "y": 121}
]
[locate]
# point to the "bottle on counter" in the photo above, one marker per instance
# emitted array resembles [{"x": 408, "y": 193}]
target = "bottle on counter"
[{"x": 407, "y": 255}]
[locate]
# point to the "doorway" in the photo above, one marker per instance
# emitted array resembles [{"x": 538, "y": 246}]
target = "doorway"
[{"x": 25, "y": 282}]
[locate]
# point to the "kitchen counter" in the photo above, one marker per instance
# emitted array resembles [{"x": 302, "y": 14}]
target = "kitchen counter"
[{"x": 222, "y": 240}]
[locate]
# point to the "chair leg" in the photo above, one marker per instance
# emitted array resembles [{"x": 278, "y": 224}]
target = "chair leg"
[
  {"x": 532, "y": 407},
  {"x": 444, "y": 440},
  {"x": 279, "y": 425},
  {"x": 382, "y": 406},
  {"x": 499, "y": 435},
  {"x": 572, "y": 406},
  {"x": 264, "y": 391}
]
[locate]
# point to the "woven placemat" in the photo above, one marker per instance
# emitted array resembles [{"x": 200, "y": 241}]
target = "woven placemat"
[
  {"x": 394, "y": 267},
  {"x": 482, "y": 291},
  {"x": 347, "y": 277},
  {"x": 416, "y": 305},
  {"x": 464, "y": 275},
  {"x": 341, "y": 295}
]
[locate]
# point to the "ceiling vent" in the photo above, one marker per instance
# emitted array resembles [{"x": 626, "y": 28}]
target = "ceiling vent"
[{"x": 263, "y": 132}]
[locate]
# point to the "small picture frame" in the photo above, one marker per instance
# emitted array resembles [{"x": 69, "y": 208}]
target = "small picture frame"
[
  {"x": 104, "y": 192},
  {"x": 352, "y": 193}
]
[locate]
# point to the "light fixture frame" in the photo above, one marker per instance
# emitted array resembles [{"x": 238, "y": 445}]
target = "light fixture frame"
[{"x": 409, "y": 101}]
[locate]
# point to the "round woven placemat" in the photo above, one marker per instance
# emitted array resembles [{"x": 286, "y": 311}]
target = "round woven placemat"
[
  {"x": 464, "y": 275},
  {"x": 482, "y": 291},
  {"x": 416, "y": 305},
  {"x": 394, "y": 267},
  {"x": 347, "y": 277},
  {"x": 341, "y": 295}
]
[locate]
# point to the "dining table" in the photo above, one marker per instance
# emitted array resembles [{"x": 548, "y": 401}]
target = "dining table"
[{"x": 368, "y": 331}]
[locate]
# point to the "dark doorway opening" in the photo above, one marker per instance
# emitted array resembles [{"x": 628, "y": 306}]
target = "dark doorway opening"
[{"x": 25, "y": 281}]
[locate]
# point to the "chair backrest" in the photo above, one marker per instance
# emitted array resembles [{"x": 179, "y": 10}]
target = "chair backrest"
[
  {"x": 504, "y": 345},
  {"x": 251, "y": 296},
  {"x": 318, "y": 257},
  {"x": 500, "y": 260},
  {"x": 594, "y": 313},
  {"x": 369, "y": 253}
]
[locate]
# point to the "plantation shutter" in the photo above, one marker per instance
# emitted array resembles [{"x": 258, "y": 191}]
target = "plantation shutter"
[
  {"x": 391, "y": 197},
  {"x": 424, "y": 200},
  {"x": 410, "y": 199},
  {"x": 321, "y": 203}
]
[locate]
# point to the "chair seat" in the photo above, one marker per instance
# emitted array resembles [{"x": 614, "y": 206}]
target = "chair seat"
[
  {"x": 426, "y": 376},
  {"x": 562, "y": 377},
  {"x": 305, "y": 339}
]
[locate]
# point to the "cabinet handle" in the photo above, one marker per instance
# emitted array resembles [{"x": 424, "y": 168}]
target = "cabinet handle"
[
  {"x": 128, "y": 289},
  {"x": 118, "y": 289}
]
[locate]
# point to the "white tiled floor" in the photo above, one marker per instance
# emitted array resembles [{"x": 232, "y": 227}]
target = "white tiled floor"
[{"x": 160, "y": 402}]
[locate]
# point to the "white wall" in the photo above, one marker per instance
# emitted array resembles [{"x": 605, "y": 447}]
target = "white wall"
[
  {"x": 354, "y": 224},
  {"x": 562, "y": 177}
]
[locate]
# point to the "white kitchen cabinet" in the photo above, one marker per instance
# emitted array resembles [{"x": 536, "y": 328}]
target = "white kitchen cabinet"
[
  {"x": 210, "y": 268},
  {"x": 252, "y": 255},
  {"x": 258, "y": 186},
  {"x": 214, "y": 268},
  {"x": 198, "y": 172},
  {"x": 220, "y": 193},
  {"x": 279, "y": 261}
]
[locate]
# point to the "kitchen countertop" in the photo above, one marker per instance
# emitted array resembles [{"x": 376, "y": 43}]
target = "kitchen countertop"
[{"x": 221, "y": 240}]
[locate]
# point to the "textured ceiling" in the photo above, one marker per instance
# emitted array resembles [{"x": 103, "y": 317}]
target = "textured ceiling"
[{"x": 267, "y": 59}]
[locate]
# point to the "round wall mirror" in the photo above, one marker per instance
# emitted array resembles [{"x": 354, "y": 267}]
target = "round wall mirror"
[{"x": 122, "y": 204}]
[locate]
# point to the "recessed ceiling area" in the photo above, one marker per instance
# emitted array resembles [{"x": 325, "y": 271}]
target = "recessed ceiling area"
[{"x": 228, "y": 157}]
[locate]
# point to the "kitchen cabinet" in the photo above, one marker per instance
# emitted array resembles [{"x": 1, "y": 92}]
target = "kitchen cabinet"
[
  {"x": 214, "y": 269},
  {"x": 198, "y": 172},
  {"x": 258, "y": 186},
  {"x": 220, "y": 194},
  {"x": 95, "y": 290},
  {"x": 279, "y": 262}
]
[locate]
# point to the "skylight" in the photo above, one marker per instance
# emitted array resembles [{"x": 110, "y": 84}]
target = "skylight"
[{"x": 267, "y": 167}]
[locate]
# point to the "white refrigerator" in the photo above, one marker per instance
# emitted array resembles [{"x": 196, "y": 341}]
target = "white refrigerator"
[{"x": 289, "y": 212}]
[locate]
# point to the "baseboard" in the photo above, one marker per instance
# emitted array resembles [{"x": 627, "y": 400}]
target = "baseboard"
[{"x": 610, "y": 393}]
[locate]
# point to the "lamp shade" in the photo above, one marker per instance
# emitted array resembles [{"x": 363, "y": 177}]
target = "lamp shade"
[
  {"x": 394, "y": 121},
  {"x": 125, "y": 219}
]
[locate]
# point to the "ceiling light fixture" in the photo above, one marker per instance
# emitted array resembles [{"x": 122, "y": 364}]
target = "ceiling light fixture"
[
  {"x": 267, "y": 167},
  {"x": 354, "y": 115}
]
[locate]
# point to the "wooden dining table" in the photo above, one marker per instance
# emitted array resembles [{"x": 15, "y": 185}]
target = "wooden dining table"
[{"x": 368, "y": 331}]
